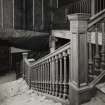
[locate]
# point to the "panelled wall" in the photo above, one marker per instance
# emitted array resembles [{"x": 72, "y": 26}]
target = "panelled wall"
[
  {"x": 6, "y": 11},
  {"x": 40, "y": 14},
  {"x": 26, "y": 14}
]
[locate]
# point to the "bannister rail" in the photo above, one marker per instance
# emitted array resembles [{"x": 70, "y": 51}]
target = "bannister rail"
[
  {"x": 57, "y": 51},
  {"x": 50, "y": 74},
  {"x": 96, "y": 19}
]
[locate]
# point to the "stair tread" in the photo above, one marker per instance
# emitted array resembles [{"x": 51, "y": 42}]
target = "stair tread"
[{"x": 101, "y": 87}]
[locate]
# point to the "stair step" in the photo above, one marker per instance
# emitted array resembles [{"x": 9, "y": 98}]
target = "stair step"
[
  {"x": 101, "y": 87},
  {"x": 101, "y": 91}
]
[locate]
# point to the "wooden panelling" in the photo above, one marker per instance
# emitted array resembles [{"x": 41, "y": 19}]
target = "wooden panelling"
[{"x": 8, "y": 13}]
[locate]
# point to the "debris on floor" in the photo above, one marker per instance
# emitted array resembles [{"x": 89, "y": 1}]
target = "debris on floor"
[{"x": 18, "y": 93}]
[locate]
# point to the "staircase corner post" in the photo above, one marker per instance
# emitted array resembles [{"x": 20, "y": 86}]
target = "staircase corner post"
[
  {"x": 79, "y": 90},
  {"x": 25, "y": 56}
]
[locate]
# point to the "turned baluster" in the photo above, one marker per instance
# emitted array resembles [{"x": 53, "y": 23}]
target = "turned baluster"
[
  {"x": 37, "y": 77},
  {"x": 41, "y": 76},
  {"x": 53, "y": 76},
  {"x": 69, "y": 61},
  {"x": 65, "y": 75},
  {"x": 103, "y": 47},
  {"x": 97, "y": 56},
  {"x": 45, "y": 74},
  {"x": 34, "y": 78},
  {"x": 50, "y": 76},
  {"x": 61, "y": 77},
  {"x": 45, "y": 77},
  {"x": 56, "y": 70},
  {"x": 90, "y": 56}
]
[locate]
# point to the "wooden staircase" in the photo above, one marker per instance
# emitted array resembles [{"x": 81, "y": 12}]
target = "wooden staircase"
[{"x": 72, "y": 71}]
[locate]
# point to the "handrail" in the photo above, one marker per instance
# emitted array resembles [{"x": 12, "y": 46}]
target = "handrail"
[
  {"x": 97, "y": 79},
  {"x": 96, "y": 18},
  {"x": 57, "y": 51}
]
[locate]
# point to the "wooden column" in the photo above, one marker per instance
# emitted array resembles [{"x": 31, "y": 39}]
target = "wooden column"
[
  {"x": 24, "y": 14},
  {"x": 79, "y": 90},
  {"x": 93, "y": 7},
  {"x": 2, "y": 14},
  {"x": 13, "y": 12},
  {"x": 33, "y": 15},
  {"x": 42, "y": 24}
]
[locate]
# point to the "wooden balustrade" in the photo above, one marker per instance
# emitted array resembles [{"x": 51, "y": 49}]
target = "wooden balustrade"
[
  {"x": 96, "y": 51},
  {"x": 49, "y": 74},
  {"x": 68, "y": 71}
]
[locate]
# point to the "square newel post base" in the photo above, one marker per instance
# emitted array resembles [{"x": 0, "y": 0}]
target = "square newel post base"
[
  {"x": 79, "y": 90},
  {"x": 77, "y": 96}
]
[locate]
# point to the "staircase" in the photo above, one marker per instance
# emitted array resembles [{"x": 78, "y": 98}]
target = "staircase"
[{"x": 72, "y": 72}]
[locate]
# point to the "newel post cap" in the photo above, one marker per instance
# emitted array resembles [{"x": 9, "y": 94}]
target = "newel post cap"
[
  {"x": 78, "y": 16},
  {"x": 25, "y": 55}
]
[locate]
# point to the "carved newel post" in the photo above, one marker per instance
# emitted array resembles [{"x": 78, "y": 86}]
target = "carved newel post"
[{"x": 79, "y": 90}]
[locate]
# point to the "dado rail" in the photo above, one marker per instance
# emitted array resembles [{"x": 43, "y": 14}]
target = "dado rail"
[{"x": 72, "y": 71}]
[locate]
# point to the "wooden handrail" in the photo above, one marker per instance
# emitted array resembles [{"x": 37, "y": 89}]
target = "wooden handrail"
[
  {"x": 57, "y": 51},
  {"x": 96, "y": 18},
  {"x": 97, "y": 79}
]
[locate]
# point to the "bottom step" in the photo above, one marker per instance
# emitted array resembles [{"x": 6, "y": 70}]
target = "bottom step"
[
  {"x": 101, "y": 91},
  {"x": 99, "y": 97}
]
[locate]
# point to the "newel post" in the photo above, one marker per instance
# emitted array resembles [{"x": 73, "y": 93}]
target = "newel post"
[
  {"x": 25, "y": 55},
  {"x": 79, "y": 90}
]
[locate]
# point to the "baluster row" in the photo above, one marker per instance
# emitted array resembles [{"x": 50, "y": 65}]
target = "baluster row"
[
  {"x": 51, "y": 76},
  {"x": 97, "y": 51}
]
